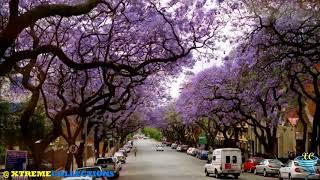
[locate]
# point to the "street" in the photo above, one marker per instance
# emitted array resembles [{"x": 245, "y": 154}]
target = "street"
[{"x": 168, "y": 165}]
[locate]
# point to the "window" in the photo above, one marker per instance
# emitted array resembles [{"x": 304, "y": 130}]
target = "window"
[
  {"x": 275, "y": 161},
  {"x": 227, "y": 159},
  {"x": 234, "y": 159},
  {"x": 105, "y": 161},
  {"x": 213, "y": 158}
]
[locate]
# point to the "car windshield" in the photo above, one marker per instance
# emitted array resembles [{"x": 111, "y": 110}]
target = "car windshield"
[
  {"x": 104, "y": 161},
  {"x": 275, "y": 161}
]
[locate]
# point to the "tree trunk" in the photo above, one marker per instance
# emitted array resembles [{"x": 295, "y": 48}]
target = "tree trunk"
[
  {"x": 69, "y": 161},
  {"x": 104, "y": 148},
  {"x": 315, "y": 129},
  {"x": 303, "y": 121},
  {"x": 97, "y": 140},
  {"x": 271, "y": 147},
  {"x": 79, "y": 155}
]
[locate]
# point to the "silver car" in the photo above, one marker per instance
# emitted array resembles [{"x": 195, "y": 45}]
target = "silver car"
[{"x": 268, "y": 167}]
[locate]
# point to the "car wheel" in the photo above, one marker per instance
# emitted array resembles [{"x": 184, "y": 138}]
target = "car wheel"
[
  {"x": 255, "y": 172},
  {"x": 216, "y": 174},
  {"x": 279, "y": 175},
  {"x": 206, "y": 172},
  {"x": 290, "y": 178},
  {"x": 265, "y": 174},
  {"x": 252, "y": 170}
]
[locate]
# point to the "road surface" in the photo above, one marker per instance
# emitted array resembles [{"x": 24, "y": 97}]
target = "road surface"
[{"x": 168, "y": 165}]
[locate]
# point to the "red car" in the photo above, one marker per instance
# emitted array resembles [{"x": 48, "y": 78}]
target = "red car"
[{"x": 250, "y": 164}]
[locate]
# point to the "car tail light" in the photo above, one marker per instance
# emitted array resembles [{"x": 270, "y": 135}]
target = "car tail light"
[
  {"x": 297, "y": 170},
  {"x": 269, "y": 166},
  {"x": 103, "y": 178}
]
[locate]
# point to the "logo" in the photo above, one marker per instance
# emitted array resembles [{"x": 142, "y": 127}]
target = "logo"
[{"x": 308, "y": 162}]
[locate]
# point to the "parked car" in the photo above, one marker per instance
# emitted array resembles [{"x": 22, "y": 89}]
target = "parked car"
[
  {"x": 194, "y": 152},
  {"x": 189, "y": 150},
  {"x": 250, "y": 164},
  {"x": 203, "y": 154},
  {"x": 127, "y": 148},
  {"x": 224, "y": 161},
  {"x": 129, "y": 144},
  {"x": 292, "y": 170},
  {"x": 268, "y": 167},
  {"x": 121, "y": 157},
  {"x": 159, "y": 147},
  {"x": 179, "y": 148},
  {"x": 92, "y": 168},
  {"x": 184, "y": 148},
  {"x": 109, "y": 164},
  {"x": 174, "y": 145},
  {"x": 124, "y": 151}
]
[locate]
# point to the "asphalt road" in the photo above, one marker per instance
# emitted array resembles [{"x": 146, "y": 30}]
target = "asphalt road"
[{"x": 168, "y": 165}]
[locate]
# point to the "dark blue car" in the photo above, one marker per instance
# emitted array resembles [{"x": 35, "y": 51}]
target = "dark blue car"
[{"x": 203, "y": 155}]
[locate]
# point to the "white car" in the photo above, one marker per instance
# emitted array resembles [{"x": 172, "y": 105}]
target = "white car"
[
  {"x": 124, "y": 151},
  {"x": 179, "y": 148},
  {"x": 192, "y": 151},
  {"x": 159, "y": 148},
  {"x": 127, "y": 148},
  {"x": 189, "y": 150},
  {"x": 174, "y": 145},
  {"x": 120, "y": 156},
  {"x": 292, "y": 170}
]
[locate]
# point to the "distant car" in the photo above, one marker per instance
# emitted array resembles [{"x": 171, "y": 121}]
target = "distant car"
[
  {"x": 203, "y": 155},
  {"x": 194, "y": 152},
  {"x": 184, "y": 148},
  {"x": 109, "y": 164},
  {"x": 168, "y": 143},
  {"x": 129, "y": 144},
  {"x": 268, "y": 167},
  {"x": 159, "y": 147},
  {"x": 179, "y": 148},
  {"x": 127, "y": 148},
  {"x": 91, "y": 168},
  {"x": 124, "y": 151},
  {"x": 292, "y": 170},
  {"x": 250, "y": 164},
  {"x": 174, "y": 145},
  {"x": 121, "y": 157},
  {"x": 189, "y": 150}
]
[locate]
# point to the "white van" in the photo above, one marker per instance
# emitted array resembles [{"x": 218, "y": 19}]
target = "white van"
[{"x": 224, "y": 161}]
